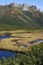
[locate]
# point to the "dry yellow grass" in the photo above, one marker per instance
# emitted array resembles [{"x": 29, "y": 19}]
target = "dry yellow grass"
[{"x": 24, "y": 38}]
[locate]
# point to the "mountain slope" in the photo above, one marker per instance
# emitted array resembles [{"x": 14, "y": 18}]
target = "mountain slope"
[{"x": 15, "y": 18}]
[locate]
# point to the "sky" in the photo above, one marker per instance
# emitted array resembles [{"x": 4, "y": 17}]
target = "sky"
[{"x": 38, "y": 3}]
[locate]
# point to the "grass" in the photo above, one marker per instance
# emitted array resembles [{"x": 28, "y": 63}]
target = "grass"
[
  {"x": 16, "y": 19},
  {"x": 21, "y": 36}
]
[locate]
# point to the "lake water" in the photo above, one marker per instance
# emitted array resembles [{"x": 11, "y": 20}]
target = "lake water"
[
  {"x": 8, "y": 54},
  {"x": 36, "y": 41},
  {"x": 6, "y": 36}
]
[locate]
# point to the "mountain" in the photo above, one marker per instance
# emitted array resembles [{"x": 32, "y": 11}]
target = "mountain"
[{"x": 20, "y": 16}]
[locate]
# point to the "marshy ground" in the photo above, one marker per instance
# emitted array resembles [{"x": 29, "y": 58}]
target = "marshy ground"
[{"x": 20, "y": 40}]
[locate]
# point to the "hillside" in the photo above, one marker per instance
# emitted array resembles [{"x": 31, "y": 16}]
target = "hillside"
[{"x": 20, "y": 17}]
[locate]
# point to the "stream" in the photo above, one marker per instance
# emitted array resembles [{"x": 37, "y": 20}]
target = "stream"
[{"x": 8, "y": 54}]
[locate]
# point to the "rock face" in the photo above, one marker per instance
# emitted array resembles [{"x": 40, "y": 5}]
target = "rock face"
[
  {"x": 11, "y": 5},
  {"x": 25, "y": 7},
  {"x": 14, "y": 5}
]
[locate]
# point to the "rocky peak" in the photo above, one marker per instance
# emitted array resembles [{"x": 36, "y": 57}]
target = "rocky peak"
[{"x": 25, "y": 7}]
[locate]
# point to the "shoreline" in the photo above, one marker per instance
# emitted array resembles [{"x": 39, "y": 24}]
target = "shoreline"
[{"x": 13, "y": 51}]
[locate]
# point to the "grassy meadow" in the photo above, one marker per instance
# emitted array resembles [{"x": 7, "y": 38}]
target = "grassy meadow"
[{"x": 20, "y": 40}]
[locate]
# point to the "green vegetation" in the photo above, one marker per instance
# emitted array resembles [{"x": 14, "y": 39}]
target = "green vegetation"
[
  {"x": 33, "y": 57},
  {"x": 15, "y": 18}
]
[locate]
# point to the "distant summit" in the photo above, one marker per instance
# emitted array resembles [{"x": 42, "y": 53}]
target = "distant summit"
[
  {"x": 14, "y": 5},
  {"x": 25, "y": 7},
  {"x": 20, "y": 16}
]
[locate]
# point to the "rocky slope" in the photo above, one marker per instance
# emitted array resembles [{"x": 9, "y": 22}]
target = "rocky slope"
[{"x": 20, "y": 16}]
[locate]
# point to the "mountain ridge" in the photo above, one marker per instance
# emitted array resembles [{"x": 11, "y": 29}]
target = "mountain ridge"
[{"x": 17, "y": 18}]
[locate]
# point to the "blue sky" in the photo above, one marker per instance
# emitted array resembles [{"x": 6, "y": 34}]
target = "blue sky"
[{"x": 38, "y": 3}]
